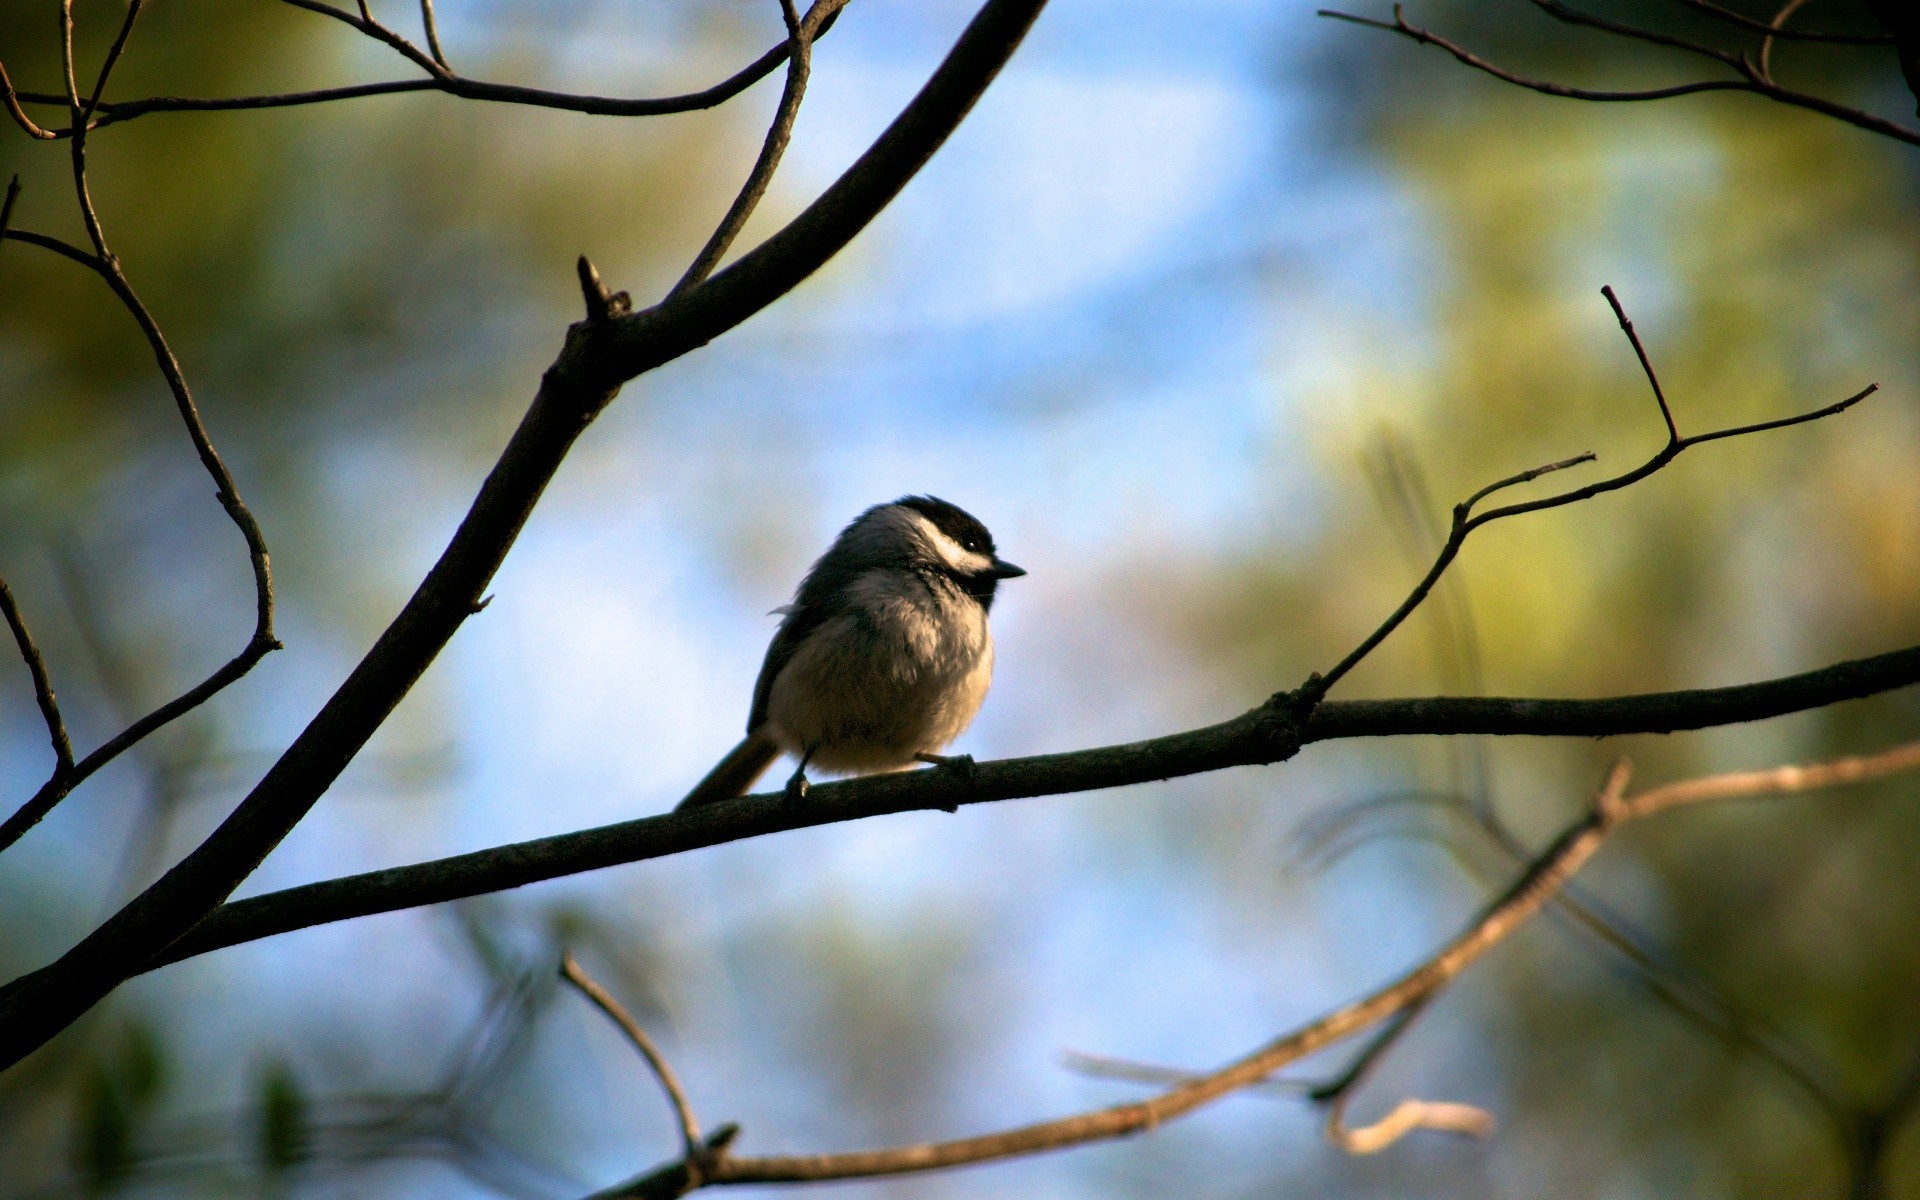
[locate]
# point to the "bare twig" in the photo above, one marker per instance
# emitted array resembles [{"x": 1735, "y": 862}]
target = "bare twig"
[
  {"x": 1406, "y": 1117},
  {"x": 1438, "y": 1116},
  {"x": 1465, "y": 520},
  {"x": 1646, "y": 364},
  {"x": 258, "y": 646},
  {"x": 1742, "y": 21},
  {"x": 1764, "y": 60},
  {"x": 1567, "y": 14},
  {"x": 1754, "y": 80},
  {"x": 597, "y": 359},
  {"x": 692, "y": 1143},
  {"x": 799, "y": 64},
  {"x": 1535, "y": 887},
  {"x": 1523, "y": 899},
  {"x": 30, "y": 653},
  {"x": 365, "y": 23},
  {"x": 103, "y": 263},
  {"x": 113, "y": 113},
  {"x": 12, "y": 99},
  {"x": 431, "y": 25},
  {"x": 6, "y": 206}
]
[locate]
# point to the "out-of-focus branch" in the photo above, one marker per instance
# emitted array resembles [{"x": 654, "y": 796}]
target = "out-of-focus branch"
[
  {"x": 1774, "y": 29},
  {"x": 693, "y": 1145},
  {"x": 1535, "y": 887},
  {"x": 599, "y": 356},
  {"x": 1753, "y": 78}
]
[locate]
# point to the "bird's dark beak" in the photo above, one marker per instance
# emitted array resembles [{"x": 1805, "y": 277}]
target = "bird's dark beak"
[{"x": 1002, "y": 569}]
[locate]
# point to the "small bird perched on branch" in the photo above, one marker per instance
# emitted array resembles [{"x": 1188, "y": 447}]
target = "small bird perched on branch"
[{"x": 882, "y": 658}]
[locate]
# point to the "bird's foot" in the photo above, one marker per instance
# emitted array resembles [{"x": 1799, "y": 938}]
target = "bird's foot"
[
  {"x": 962, "y": 764},
  {"x": 798, "y": 787}
]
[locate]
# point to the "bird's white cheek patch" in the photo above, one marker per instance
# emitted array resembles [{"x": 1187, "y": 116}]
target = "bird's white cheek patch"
[{"x": 954, "y": 554}]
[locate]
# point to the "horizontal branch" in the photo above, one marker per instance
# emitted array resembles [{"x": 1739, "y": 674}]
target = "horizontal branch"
[
  {"x": 1536, "y": 886},
  {"x": 1742, "y": 21},
  {"x": 1267, "y": 734},
  {"x": 1752, "y": 81},
  {"x": 451, "y": 84},
  {"x": 597, "y": 359}
]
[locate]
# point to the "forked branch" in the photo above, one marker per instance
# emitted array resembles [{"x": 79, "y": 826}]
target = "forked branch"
[
  {"x": 1466, "y": 519},
  {"x": 442, "y": 79},
  {"x": 1529, "y": 893},
  {"x": 1752, "y": 71},
  {"x": 599, "y": 356}
]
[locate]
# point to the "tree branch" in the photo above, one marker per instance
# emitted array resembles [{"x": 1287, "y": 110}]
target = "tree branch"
[
  {"x": 692, "y": 1144},
  {"x": 1535, "y": 887},
  {"x": 1465, "y": 520},
  {"x": 1754, "y": 80},
  {"x": 799, "y": 64},
  {"x": 37, "y": 666},
  {"x": 1270, "y": 733},
  {"x": 598, "y": 357},
  {"x": 262, "y": 642}
]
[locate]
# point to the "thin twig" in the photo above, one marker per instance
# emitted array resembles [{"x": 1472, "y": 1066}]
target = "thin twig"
[
  {"x": 30, "y": 653},
  {"x": 692, "y": 1143},
  {"x": 6, "y": 207},
  {"x": 1465, "y": 520},
  {"x": 1747, "y": 23},
  {"x": 113, "y": 56},
  {"x": 1646, "y": 364},
  {"x": 1753, "y": 81},
  {"x": 20, "y": 117},
  {"x": 595, "y": 361},
  {"x": 113, "y": 113},
  {"x": 432, "y": 27},
  {"x": 1569, "y": 15},
  {"x": 1765, "y": 58},
  {"x": 365, "y": 23},
  {"x": 1536, "y": 886},
  {"x": 779, "y": 133},
  {"x": 262, "y": 642}
]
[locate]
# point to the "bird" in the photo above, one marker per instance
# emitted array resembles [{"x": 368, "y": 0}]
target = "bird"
[{"x": 882, "y": 658}]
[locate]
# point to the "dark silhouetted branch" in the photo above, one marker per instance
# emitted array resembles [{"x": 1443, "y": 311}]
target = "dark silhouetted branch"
[
  {"x": 800, "y": 35},
  {"x": 597, "y": 359},
  {"x": 1753, "y": 79},
  {"x": 1741, "y": 21},
  {"x": 37, "y": 666},
  {"x": 260, "y": 644},
  {"x": 1536, "y": 886},
  {"x": 1466, "y": 520},
  {"x": 448, "y": 82},
  {"x": 1267, "y": 734}
]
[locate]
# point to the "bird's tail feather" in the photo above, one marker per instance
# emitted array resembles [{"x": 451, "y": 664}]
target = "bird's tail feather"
[{"x": 735, "y": 773}]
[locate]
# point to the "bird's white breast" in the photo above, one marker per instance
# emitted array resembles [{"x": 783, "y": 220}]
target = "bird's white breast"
[{"x": 901, "y": 671}]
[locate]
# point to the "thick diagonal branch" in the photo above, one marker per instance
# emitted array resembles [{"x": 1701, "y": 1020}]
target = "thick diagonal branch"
[{"x": 597, "y": 359}]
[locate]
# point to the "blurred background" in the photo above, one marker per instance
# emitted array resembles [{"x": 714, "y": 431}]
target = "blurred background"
[{"x": 1210, "y": 311}]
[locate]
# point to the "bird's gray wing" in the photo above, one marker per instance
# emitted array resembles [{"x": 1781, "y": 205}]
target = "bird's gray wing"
[{"x": 786, "y": 640}]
